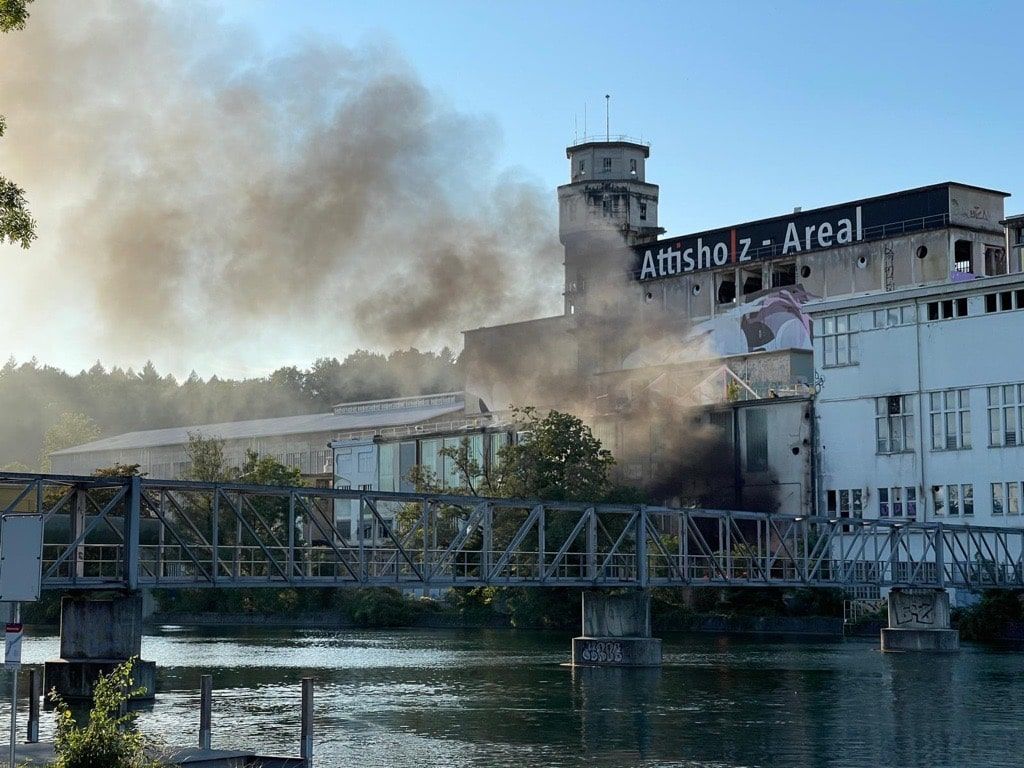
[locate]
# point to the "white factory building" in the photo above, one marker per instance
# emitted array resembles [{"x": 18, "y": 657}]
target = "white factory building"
[{"x": 857, "y": 360}]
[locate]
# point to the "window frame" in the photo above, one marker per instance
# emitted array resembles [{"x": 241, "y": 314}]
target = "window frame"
[
  {"x": 884, "y": 417},
  {"x": 999, "y": 411},
  {"x": 942, "y": 413},
  {"x": 837, "y": 330}
]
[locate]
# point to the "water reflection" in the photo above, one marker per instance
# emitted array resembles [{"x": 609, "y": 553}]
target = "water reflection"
[{"x": 503, "y": 699}]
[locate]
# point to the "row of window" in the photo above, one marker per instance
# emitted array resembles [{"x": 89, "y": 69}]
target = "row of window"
[
  {"x": 949, "y": 414},
  {"x": 839, "y": 332},
  {"x": 606, "y": 165},
  {"x": 953, "y": 500},
  {"x": 1004, "y": 301},
  {"x": 901, "y": 501}
]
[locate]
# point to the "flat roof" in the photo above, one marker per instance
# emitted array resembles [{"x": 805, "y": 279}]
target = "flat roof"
[
  {"x": 275, "y": 427},
  {"x": 844, "y": 204}
]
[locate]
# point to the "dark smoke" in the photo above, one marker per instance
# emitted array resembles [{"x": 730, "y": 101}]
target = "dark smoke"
[{"x": 202, "y": 189}]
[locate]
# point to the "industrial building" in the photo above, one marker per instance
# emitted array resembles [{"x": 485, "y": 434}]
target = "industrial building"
[{"x": 855, "y": 360}]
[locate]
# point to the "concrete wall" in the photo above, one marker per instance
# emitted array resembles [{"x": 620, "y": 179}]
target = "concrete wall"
[
  {"x": 971, "y": 353},
  {"x": 521, "y": 363}
]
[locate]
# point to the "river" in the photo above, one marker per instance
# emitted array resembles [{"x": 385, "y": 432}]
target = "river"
[{"x": 496, "y": 698}]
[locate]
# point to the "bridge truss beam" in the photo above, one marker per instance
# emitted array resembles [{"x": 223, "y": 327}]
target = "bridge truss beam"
[{"x": 103, "y": 533}]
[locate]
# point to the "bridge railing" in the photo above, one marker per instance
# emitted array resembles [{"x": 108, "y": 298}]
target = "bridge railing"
[{"x": 132, "y": 532}]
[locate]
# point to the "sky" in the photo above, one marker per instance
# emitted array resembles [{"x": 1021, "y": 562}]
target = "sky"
[{"x": 751, "y": 109}]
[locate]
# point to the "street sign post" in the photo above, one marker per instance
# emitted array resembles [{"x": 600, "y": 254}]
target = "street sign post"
[{"x": 12, "y": 661}]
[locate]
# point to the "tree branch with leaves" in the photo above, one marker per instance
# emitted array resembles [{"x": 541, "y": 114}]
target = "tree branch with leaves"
[{"x": 16, "y": 223}]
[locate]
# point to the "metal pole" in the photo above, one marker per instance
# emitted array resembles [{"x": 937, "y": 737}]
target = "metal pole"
[
  {"x": 306, "y": 747},
  {"x": 35, "y": 692},
  {"x": 205, "y": 710},
  {"x": 16, "y": 617}
]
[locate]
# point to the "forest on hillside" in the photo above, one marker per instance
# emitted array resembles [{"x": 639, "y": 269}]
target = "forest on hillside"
[{"x": 42, "y": 404}]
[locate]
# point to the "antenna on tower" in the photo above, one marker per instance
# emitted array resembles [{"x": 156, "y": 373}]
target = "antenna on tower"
[
  {"x": 575, "y": 128},
  {"x": 584, "y": 120},
  {"x": 607, "y": 123}
]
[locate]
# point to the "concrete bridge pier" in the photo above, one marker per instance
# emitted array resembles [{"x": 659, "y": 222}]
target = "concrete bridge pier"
[
  {"x": 96, "y": 636},
  {"x": 919, "y": 621},
  {"x": 616, "y": 632}
]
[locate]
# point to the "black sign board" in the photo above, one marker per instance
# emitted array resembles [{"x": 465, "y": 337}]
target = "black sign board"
[{"x": 795, "y": 234}]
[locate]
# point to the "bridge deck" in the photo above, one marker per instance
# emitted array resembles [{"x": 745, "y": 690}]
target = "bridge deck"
[{"x": 103, "y": 533}]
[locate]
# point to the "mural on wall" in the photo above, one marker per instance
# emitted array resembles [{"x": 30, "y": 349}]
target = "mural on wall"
[{"x": 773, "y": 321}]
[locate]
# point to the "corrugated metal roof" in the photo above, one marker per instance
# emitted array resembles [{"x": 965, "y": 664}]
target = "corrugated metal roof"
[{"x": 287, "y": 425}]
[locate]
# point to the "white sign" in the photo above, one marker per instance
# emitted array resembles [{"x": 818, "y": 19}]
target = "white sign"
[
  {"x": 12, "y": 647},
  {"x": 21, "y": 557}
]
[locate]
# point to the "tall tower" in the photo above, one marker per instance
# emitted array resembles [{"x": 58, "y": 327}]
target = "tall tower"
[{"x": 607, "y": 205}]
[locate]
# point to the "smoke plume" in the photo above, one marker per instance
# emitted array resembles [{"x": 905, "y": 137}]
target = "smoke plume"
[{"x": 193, "y": 188}]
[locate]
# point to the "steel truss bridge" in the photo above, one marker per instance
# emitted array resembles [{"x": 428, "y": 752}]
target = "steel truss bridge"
[{"x": 131, "y": 532}]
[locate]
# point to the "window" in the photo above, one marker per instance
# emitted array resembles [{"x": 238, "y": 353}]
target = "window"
[
  {"x": 1006, "y": 498},
  {"x": 757, "y": 440},
  {"x": 894, "y": 424},
  {"x": 897, "y": 502},
  {"x": 951, "y": 419},
  {"x": 783, "y": 274},
  {"x": 583, "y": 165},
  {"x": 750, "y": 278},
  {"x": 947, "y": 309},
  {"x": 632, "y": 165},
  {"x": 1005, "y": 414},
  {"x": 643, "y": 211},
  {"x": 951, "y": 500},
  {"x": 387, "y": 466},
  {"x": 845, "y": 503},
  {"x": 838, "y": 336},
  {"x": 726, "y": 292},
  {"x": 962, "y": 256},
  {"x": 606, "y": 164},
  {"x": 1004, "y": 301},
  {"x": 996, "y": 262},
  {"x": 893, "y": 316}
]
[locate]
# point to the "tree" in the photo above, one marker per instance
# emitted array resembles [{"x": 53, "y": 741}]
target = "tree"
[
  {"x": 560, "y": 460},
  {"x": 16, "y": 223},
  {"x": 205, "y": 456},
  {"x": 71, "y": 429}
]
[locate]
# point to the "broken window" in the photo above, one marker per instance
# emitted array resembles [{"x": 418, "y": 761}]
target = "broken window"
[
  {"x": 962, "y": 256},
  {"x": 726, "y": 292},
  {"x": 894, "y": 424},
  {"x": 783, "y": 274},
  {"x": 1004, "y": 301},
  {"x": 947, "y": 309},
  {"x": 751, "y": 279},
  {"x": 996, "y": 262}
]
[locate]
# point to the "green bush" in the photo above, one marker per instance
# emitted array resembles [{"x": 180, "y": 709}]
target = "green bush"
[
  {"x": 108, "y": 740},
  {"x": 989, "y": 619},
  {"x": 383, "y": 607}
]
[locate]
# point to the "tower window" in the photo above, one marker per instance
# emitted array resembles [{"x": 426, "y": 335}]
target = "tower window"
[
  {"x": 643, "y": 211},
  {"x": 583, "y": 166},
  {"x": 632, "y": 165},
  {"x": 962, "y": 256},
  {"x": 607, "y": 163}
]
